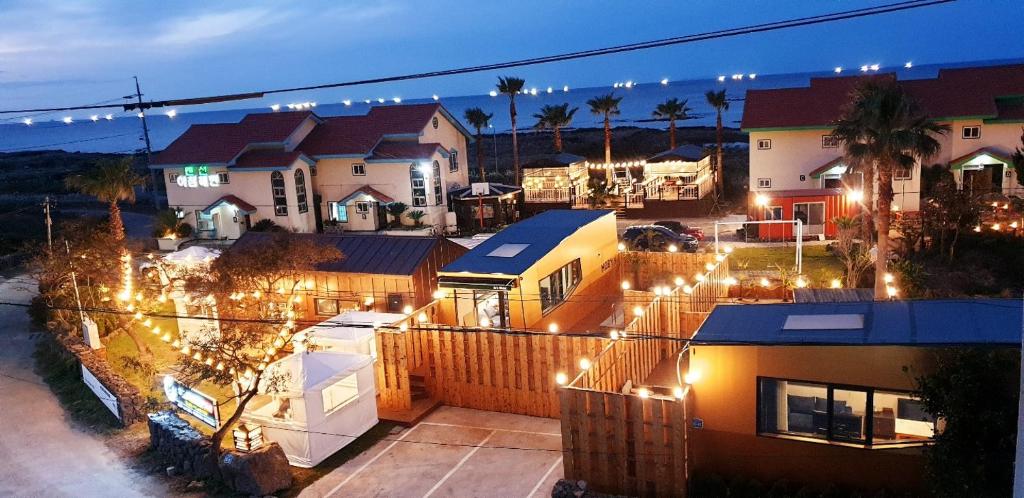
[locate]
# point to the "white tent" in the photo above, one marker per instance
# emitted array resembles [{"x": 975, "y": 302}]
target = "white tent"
[
  {"x": 351, "y": 332},
  {"x": 327, "y": 401}
]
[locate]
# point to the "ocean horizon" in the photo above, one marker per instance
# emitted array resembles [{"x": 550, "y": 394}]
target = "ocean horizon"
[{"x": 123, "y": 133}]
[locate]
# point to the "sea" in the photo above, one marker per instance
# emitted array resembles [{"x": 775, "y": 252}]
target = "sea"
[{"x": 122, "y": 133}]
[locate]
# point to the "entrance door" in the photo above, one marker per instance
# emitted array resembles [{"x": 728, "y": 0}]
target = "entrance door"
[
  {"x": 812, "y": 214},
  {"x": 218, "y": 231},
  {"x": 984, "y": 179}
]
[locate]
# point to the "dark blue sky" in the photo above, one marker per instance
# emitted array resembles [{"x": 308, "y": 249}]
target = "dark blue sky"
[{"x": 73, "y": 51}]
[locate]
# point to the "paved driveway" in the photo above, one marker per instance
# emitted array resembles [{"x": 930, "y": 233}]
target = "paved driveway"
[{"x": 455, "y": 452}]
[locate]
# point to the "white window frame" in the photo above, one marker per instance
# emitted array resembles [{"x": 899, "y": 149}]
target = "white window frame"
[
  {"x": 967, "y": 136},
  {"x": 764, "y": 183},
  {"x": 223, "y": 177},
  {"x": 358, "y": 169},
  {"x": 897, "y": 176},
  {"x": 362, "y": 207},
  {"x": 829, "y": 142},
  {"x": 764, "y": 144},
  {"x": 771, "y": 209}
]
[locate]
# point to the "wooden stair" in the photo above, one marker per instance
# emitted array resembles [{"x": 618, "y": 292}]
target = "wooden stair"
[
  {"x": 418, "y": 385},
  {"x": 619, "y": 205}
]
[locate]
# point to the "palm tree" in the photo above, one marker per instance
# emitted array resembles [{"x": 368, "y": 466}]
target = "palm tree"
[
  {"x": 607, "y": 106},
  {"x": 396, "y": 209},
  {"x": 720, "y": 103},
  {"x": 512, "y": 86},
  {"x": 555, "y": 117},
  {"x": 112, "y": 181},
  {"x": 479, "y": 119},
  {"x": 884, "y": 126},
  {"x": 671, "y": 110}
]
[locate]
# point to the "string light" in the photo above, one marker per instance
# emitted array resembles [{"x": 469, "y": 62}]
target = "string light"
[
  {"x": 553, "y": 328},
  {"x": 561, "y": 378},
  {"x": 584, "y": 363}
]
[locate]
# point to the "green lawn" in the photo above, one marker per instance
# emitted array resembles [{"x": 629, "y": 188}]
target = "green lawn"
[{"x": 820, "y": 267}]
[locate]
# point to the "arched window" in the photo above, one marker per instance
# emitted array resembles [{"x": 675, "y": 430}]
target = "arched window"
[
  {"x": 419, "y": 186},
  {"x": 300, "y": 190},
  {"x": 438, "y": 193},
  {"x": 280, "y": 198}
]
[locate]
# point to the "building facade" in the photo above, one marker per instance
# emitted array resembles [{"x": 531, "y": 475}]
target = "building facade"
[
  {"x": 303, "y": 171},
  {"x": 797, "y": 168}
]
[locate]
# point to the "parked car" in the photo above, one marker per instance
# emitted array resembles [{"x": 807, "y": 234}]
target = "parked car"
[
  {"x": 679, "y": 227},
  {"x": 658, "y": 238}
]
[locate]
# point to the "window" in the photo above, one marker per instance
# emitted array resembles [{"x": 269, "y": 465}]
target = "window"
[
  {"x": 300, "y": 190},
  {"x": 362, "y": 207},
  {"x": 773, "y": 213},
  {"x": 764, "y": 144},
  {"x": 556, "y": 287},
  {"x": 831, "y": 181},
  {"x": 359, "y": 169},
  {"x": 223, "y": 177},
  {"x": 434, "y": 122},
  {"x": 902, "y": 173},
  {"x": 326, "y": 307},
  {"x": 172, "y": 177},
  {"x": 419, "y": 187},
  {"x": 278, "y": 190},
  {"x": 396, "y": 302},
  {"x": 453, "y": 160},
  {"x": 312, "y": 170},
  {"x": 204, "y": 222},
  {"x": 840, "y": 413},
  {"x": 337, "y": 212},
  {"x": 764, "y": 183},
  {"x": 971, "y": 132},
  {"x": 829, "y": 142},
  {"x": 438, "y": 191},
  {"x": 338, "y": 394},
  {"x": 810, "y": 213}
]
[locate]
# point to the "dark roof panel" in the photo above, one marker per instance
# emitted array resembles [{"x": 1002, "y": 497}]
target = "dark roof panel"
[{"x": 375, "y": 254}]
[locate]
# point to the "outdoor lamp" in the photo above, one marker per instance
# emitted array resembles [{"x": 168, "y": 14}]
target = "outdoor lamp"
[
  {"x": 247, "y": 437},
  {"x": 761, "y": 200},
  {"x": 439, "y": 294},
  {"x": 888, "y": 278},
  {"x": 836, "y": 284},
  {"x": 855, "y": 195},
  {"x": 553, "y": 328},
  {"x": 691, "y": 377}
]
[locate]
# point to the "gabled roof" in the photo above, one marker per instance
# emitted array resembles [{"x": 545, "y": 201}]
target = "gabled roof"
[
  {"x": 555, "y": 160},
  {"x": 540, "y": 234},
  {"x": 357, "y": 135},
  {"x": 221, "y": 143},
  {"x": 405, "y": 150},
  {"x": 984, "y": 151},
  {"x": 955, "y": 93},
  {"x": 687, "y": 152},
  {"x": 375, "y": 254},
  {"x": 242, "y": 206},
  {"x": 884, "y": 323},
  {"x": 820, "y": 170},
  {"x": 368, "y": 191}
]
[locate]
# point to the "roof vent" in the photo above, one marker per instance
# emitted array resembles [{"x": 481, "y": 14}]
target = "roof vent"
[
  {"x": 824, "y": 322},
  {"x": 508, "y": 250}
]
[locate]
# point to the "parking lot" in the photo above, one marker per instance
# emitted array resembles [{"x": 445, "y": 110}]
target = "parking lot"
[{"x": 455, "y": 452}]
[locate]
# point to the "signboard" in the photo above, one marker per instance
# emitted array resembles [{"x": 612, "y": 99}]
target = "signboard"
[
  {"x": 198, "y": 176},
  {"x": 101, "y": 392},
  {"x": 193, "y": 402}
]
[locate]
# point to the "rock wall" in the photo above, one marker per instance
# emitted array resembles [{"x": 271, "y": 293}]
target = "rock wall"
[{"x": 130, "y": 403}]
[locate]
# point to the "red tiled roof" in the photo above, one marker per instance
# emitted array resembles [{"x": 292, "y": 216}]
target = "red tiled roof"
[
  {"x": 243, "y": 206},
  {"x": 266, "y": 158},
  {"x": 358, "y": 134},
  {"x": 220, "y": 143},
  {"x": 404, "y": 150},
  {"x": 954, "y": 93},
  {"x": 370, "y": 191}
]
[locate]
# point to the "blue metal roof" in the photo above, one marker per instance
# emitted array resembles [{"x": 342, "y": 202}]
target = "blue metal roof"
[
  {"x": 541, "y": 233},
  {"x": 912, "y": 323}
]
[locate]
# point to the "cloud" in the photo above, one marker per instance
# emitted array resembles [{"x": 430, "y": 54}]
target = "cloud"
[{"x": 208, "y": 26}]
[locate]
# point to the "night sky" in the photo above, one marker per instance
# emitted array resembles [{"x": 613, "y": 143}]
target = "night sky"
[{"x": 65, "y": 52}]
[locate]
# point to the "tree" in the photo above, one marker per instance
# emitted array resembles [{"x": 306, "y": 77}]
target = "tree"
[
  {"x": 166, "y": 224},
  {"x": 671, "y": 110},
  {"x": 477, "y": 118},
  {"x": 851, "y": 252},
  {"x": 973, "y": 392},
  {"x": 395, "y": 209},
  {"x": 721, "y": 104},
  {"x": 597, "y": 190},
  {"x": 884, "y": 126},
  {"x": 946, "y": 214},
  {"x": 1018, "y": 159},
  {"x": 555, "y": 117},
  {"x": 512, "y": 86},
  {"x": 255, "y": 289},
  {"x": 112, "y": 181},
  {"x": 606, "y": 106}
]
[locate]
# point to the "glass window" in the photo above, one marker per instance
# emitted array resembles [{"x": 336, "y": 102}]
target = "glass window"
[
  {"x": 832, "y": 181},
  {"x": 453, "y": 160},
  {"x": 773, "y": 213},
  {"x": 438, "y": 192},
  {"x": 359, "y": 169},
  {"x": 362, "y": 207},
  {"x": 280, "y": 197},
  {"x": 419, "y": 188},
  {"x": 764, "y": 144},
  {"x": 396, "y": 302},
  {"x": 829, "y": 142},
  {"x": 326, "y": 307},
  {"x": 971, "y": 132},
  {"x": 337, "y": 211},
  {"x": 172, "y": 177},
  {"x": 312, "y": 170},
  {"x": 810, "y": 213},
  {"x": 848, "y": 409},
  {"x": 556, "y": 287},
  {"x": 338, "y": 394},
  {"x": 793, "y": 408},
  {"x": 899, "y": 418},
  {"x": 300, "y": 190},
  {"x": 223, "y": 177},
  {"x": 764, "y": 183},
  {"x": 902, "y": 173}
]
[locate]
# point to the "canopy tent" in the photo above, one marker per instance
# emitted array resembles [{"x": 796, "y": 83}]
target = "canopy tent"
[
  {"x": 325, "y": 400},
  {"x": 351, "y": 331},
  {"x": 194, "y": 320}
]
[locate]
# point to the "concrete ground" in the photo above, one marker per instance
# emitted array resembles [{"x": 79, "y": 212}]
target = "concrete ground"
[
  {"x": 43, "y": 452},
  {"x": 455, "y": 452}
]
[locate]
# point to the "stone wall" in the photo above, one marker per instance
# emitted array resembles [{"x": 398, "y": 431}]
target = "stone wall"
[
  {"x": 181, "y": 445},
  {"x": 130, "y": 402}
]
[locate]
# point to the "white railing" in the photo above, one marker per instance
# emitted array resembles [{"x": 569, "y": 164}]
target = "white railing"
[
  {"x": 634, "y": 201},
  {"x": 547, "y": 194}
]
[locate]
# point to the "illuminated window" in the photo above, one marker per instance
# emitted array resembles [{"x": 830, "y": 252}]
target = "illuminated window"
[
  {"x": 326, "y": 307},
  {"x": 300, "y": 190},
  {"x": 555, "y": 288},
  {"x": 337, "y": 212},
  {"x": 278, "y": 191}
]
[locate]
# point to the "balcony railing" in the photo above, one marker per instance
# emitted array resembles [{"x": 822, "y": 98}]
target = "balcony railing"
[{"x": 547, "y": 194}]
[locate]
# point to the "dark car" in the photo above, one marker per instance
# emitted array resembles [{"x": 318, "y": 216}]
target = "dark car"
[
  {"x": 680, "y": 228},
  {"x": 658, "y": 238}
]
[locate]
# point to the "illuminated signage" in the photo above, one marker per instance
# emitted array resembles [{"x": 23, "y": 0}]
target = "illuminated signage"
[
  {"x": 193, "y": 402},
  {"x": 198, "y": 176}
]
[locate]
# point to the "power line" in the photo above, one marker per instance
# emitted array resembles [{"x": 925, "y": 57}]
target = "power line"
[
  {"x": 679, "y": 40},
  {"x": 94, "y": 139}
]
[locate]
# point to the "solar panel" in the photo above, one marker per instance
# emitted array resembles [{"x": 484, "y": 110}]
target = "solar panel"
[
  {"x": 824, "y": 322},
  {"x": 508, "y": 250}
]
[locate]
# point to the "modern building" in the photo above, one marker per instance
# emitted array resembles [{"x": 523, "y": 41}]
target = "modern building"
[
  {"x": 383, "y": 273},
  {"x": 523, "y": 275},
  {"x": 797, "y": 169},
  {"x": 822, "y": 393},
  {"x": 302, "y": 171}
]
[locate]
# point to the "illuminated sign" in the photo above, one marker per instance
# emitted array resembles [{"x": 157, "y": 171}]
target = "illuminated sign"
[
  {"x": 193, "y": 402},
  {"x": 198, "y": 176}
]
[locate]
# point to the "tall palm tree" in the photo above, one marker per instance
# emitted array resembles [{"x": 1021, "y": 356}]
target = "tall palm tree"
[
  {"x": 555, "y": 117},
  {"x": 606, "y": 106},
  {"x": 884, "y": 126},
  {"x": 671, "y": 110},
  {"x": 512, "y": 86},
  {"x": 479, "y": 119},
  {"x": 721, "y": 104},
  {"x": 112, "y": 181}
]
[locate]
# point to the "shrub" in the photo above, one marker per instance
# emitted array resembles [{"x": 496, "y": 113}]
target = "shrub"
[{"x": 266, "y": 225}]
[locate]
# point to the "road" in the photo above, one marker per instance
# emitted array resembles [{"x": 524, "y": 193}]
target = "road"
[{"x": 43, "y": 453}]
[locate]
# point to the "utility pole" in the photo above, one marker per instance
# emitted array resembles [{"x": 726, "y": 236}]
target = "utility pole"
[
  {"x": 149, "y": 148},
  {"x": 49, "y": 224}
]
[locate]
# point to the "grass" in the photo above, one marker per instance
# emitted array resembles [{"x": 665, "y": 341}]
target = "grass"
[
  {"x": 820, "y": 266},
  {"x": 64, "y": 377},
  {"x": 121, "y": 348},
  {"x": 305, "y": 477}
]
